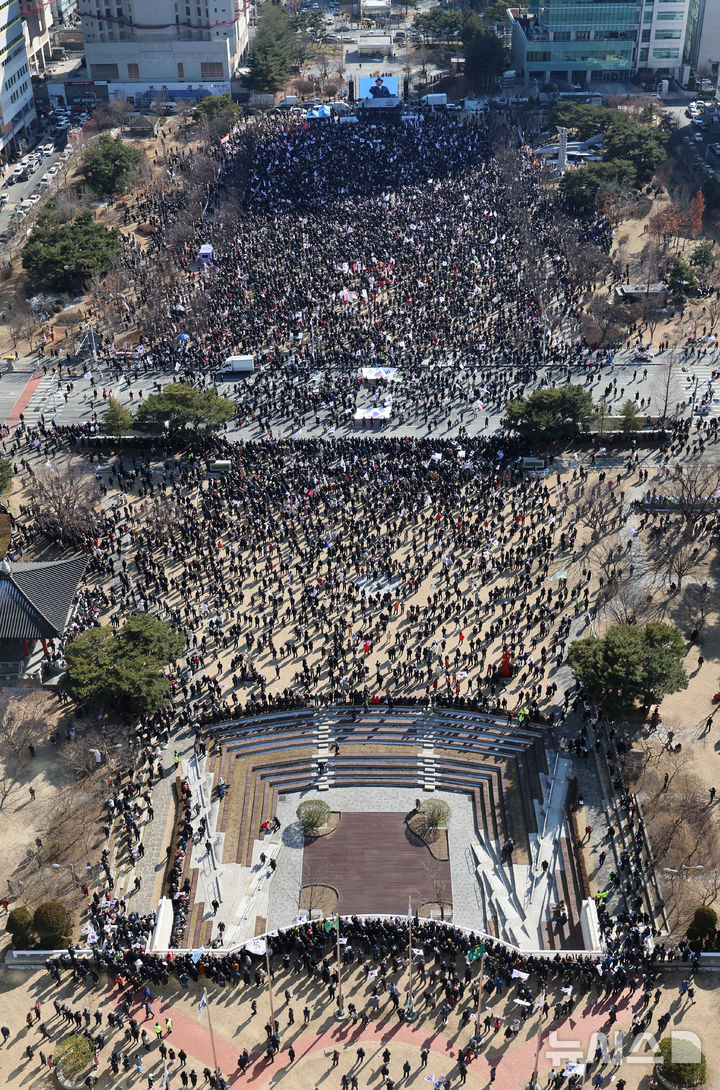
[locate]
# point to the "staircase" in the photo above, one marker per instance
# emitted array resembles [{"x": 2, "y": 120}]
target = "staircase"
[
  {"x": 427, "y": 771},
  {"x": 326, "y": 722}
]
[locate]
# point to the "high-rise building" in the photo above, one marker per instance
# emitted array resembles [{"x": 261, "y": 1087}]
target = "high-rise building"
[
  {"x": 661, "y": 38},
  {"x": 17, "y": 107},
  {"x": 37, "y": 16},
  {"x": 702, "y": 41},
  {"x": 63, "y": 11},
  {"x": 581, "y": 41},
  {"x": 172, "y": 46}
]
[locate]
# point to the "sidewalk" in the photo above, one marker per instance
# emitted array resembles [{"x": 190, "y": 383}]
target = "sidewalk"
[{"x": 157, "y": 834}]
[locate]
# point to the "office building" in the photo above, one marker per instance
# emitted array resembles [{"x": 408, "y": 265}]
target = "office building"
[
  {"x": 17, "y": 108},
  {"x": 63, "y": 12},
  {"x": 702, "y": 41},
  {"x": 577, "y": 42},
  {"x": 37, "y": 15},
  {"x": 164, "y": 47}
]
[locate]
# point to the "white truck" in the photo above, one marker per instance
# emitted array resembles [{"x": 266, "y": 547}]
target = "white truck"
[
  {"x": 238, "y": 365},
  {"x": 438, "y": 99}
]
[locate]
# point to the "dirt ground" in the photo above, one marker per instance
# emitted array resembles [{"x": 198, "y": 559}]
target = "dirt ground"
[{"x": 64, "y": 815}]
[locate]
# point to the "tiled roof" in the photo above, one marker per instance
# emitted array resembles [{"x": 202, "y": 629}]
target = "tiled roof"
[{"x": 36, "y": 599}]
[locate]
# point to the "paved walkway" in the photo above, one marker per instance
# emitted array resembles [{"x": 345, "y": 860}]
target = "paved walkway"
[
  {"x": 23, "y": 401},
  {"x": 514, "y": 1064},
  {"x": 156, "y": 835}
]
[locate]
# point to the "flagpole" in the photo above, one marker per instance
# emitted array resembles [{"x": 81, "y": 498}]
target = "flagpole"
[
  {"x": 410, "y": 1012},
  {"x": 480, "y": 990},
  {"x": 270, "y": 995},
  {"x": 533, "y": 1081},
  {"x": 212, "y": 1035},
  {"x": 340, "y": 1011}
]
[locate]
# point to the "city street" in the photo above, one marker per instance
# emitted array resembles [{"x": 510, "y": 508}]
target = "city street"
[
  {"x": 667, "y": 382},
  {"x": 55, "y": 165}
]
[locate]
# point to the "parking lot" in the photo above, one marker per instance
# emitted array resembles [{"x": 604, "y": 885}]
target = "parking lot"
[{"x": 700, "y": 148}]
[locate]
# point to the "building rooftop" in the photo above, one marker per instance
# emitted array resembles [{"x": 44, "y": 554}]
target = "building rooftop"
[{"x": 36, "y": 598}]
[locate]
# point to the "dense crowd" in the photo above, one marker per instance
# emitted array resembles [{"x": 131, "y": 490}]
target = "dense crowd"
[
  {"x": 338, "y": 247},
  {"x": 368, "y": 976},
  {"x": 358, "y": 569}
]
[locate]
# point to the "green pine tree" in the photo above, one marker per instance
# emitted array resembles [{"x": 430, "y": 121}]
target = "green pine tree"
[
  {"x": 272, "y": 51},
  {"x": 117, "y": 419}
]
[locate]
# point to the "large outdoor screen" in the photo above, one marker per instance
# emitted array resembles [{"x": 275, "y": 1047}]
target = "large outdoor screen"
[{"x": 378, "y": 87}]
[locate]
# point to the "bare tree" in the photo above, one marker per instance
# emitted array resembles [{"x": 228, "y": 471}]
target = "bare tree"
[
  {"x": 19, "y": 326},
  {"x": 664, "y": 385},
  {"x": 71, "y": 825},
  {"x": 68, "y": 204},
  {"x": 604, "y": 322},
  {"x": 64, "y": 503},
  {"x": 628, "y": 602},
  {"x": 649, "y": 312},
  {"x": 318, "y": 896},
  {"x": 676, "y": 811},
  {"x": 95, "y": 750},
  {"x": 599, "y": 517},
  {"x": 439, "y": 886},
  {"x": 709, "y": 886},
  {"x": 678, "y": 555},
  {"x": 695, "y": 488},
  {"x": 9, "y": 787},
  {"x": 696, "y": 604},
  {"x": 21, "y": 723}
]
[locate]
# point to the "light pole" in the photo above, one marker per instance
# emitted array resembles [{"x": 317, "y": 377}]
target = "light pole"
[{"x": 71, "y": 866}]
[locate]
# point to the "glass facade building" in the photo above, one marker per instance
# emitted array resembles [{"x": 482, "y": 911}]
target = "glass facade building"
[{"x": 581, "y": 41}]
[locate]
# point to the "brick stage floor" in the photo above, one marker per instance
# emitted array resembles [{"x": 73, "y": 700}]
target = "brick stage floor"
[{"x": 375, "y": 866}]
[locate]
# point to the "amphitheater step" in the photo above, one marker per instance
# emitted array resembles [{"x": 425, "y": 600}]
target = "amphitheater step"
[
  {"x": 324, "y": 781},
  {"x": 426, "y": 769}
]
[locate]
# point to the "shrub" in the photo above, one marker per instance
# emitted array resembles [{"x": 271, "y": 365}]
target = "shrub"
[
  {"x": 435, "y": 813},
  {"x": 19, "y": 924},
  {"x": 675, "y": 1069},
  {"x": 53, "y": 923},
  {"x": 74, "y": 1055},
  {"x": 6, "y": 473},
  {"x": 312, "y": 815}
]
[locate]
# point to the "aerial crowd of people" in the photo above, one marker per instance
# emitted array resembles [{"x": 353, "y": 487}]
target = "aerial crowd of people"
[{"x": 354, "y": 567}]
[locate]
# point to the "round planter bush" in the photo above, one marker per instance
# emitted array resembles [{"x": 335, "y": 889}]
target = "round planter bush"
[
  {"x": 73, "y": 1059},
  {"x": 675, "y": 1070}
]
